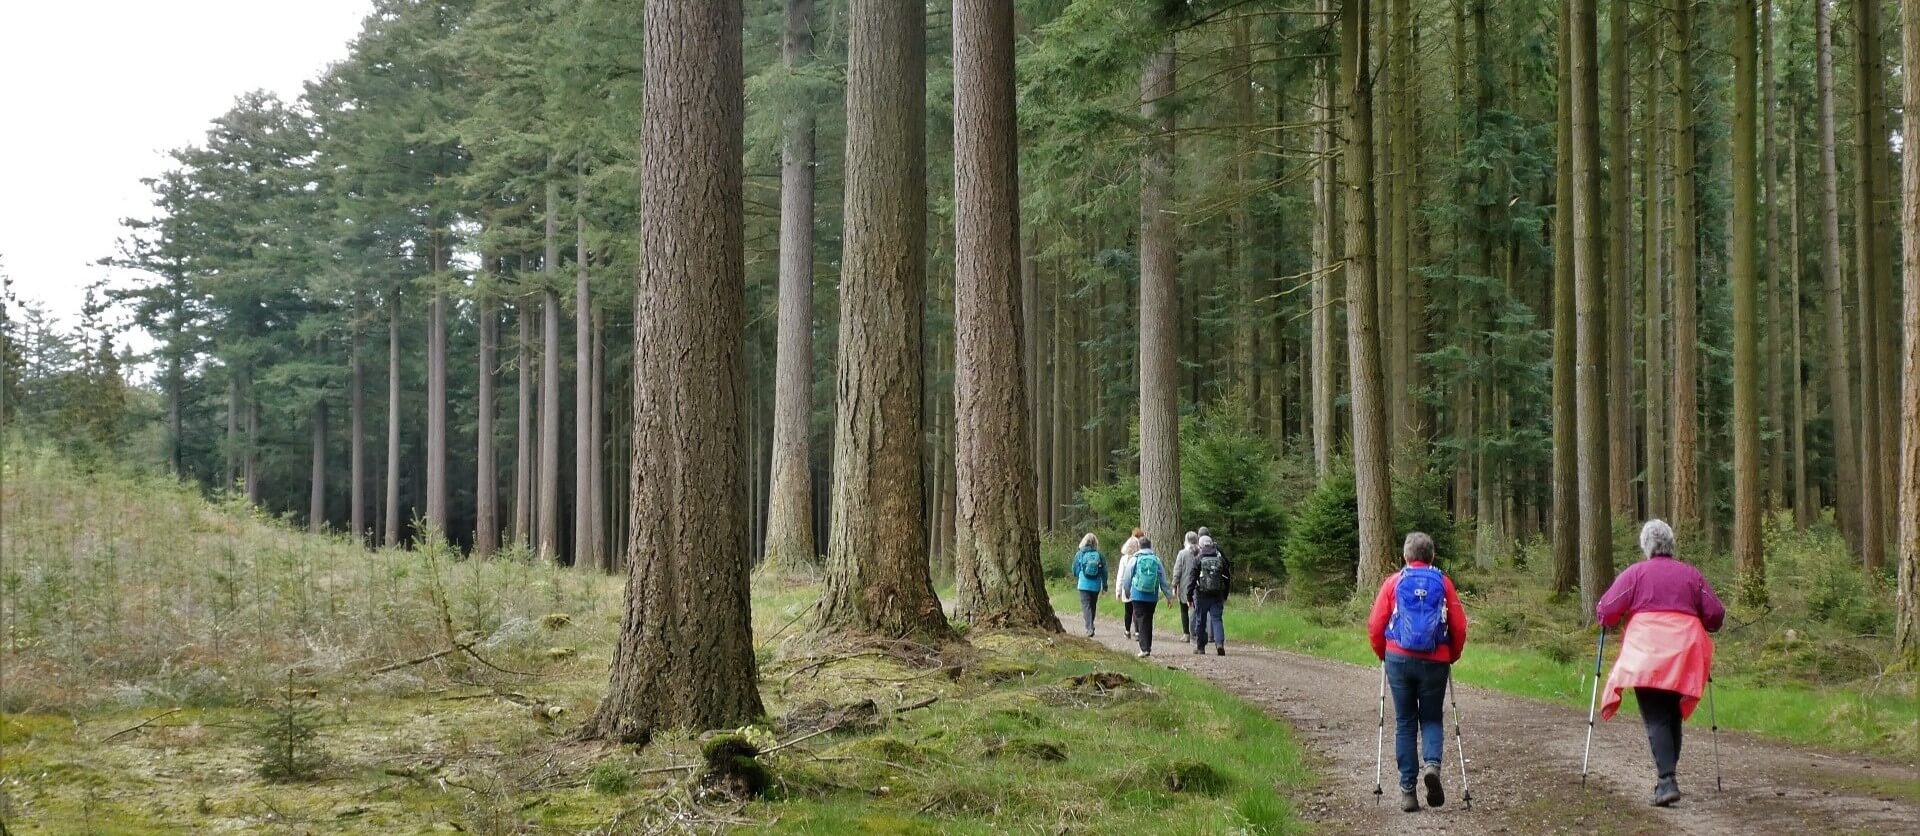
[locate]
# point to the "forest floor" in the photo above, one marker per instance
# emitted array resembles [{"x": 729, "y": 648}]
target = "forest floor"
[{"x": 1524, "y": 759}]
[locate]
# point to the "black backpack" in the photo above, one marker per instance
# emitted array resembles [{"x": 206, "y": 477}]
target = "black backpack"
[{"x": 1211, "y": 573}]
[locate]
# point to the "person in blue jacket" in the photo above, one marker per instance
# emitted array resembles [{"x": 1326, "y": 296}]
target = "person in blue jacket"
[
  {"x": 1146, "y": 579},
  {"x": 1090, "y": 570}
]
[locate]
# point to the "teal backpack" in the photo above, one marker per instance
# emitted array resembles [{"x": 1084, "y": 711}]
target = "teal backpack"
[{"x": 1146, "y": 573}]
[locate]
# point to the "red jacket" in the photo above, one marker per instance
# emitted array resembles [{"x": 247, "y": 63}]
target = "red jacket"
[{"x": 1383, "y": 609}]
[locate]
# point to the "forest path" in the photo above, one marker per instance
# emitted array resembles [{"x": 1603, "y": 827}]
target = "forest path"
[{"x": 1524, "y": 758}]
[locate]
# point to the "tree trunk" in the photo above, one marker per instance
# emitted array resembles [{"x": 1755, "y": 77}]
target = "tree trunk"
[
  {"x": 357, "y": 444},
  {"x": 1160, "y": 306},
  {"x": 1566, "y": 472},
  {"x": 1803, "y": 504},
  {"x": 1839, "y": 385},
  {"x": 1748, "y": 473},
  {"x": 790, "y": 500},
  {"x": 1907, "y": 594},
  {"x": 1589, "y": 279},
  {"x": 1397, "y": 329},
  {"x": 1619, "y": 272},
  {"x": 1324, "y": 428},
  {"x": 1685, "y": 424},
  {"x": 996, "y": 545},
  {"x": 685, "y": 657},
  {"x": 608, "y": 549},
  {"x": 391, "y": 536},
  {"x": 548, "y": 491},
  {"x": 1654, "y": 283},
  {"x": 437, "y": 398},
  {"x": 230, "y": 473},
  {"x": 1370, "y": 452},
  {"x": 586, "y": 539},
  {"x": 523, "y": 439},
  {"x": 1869, "y": 261},
  {"x": 877, "y": 576},
  {"x": 486, "y": 491},
  {"x": 317, "y": 496},
  {"x": 1775, "y": 352}
]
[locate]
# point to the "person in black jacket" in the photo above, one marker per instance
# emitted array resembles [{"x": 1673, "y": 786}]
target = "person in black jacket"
[{"x": 1212, "y": 579}]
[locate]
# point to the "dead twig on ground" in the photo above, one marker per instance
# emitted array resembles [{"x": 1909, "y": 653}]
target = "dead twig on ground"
[
  {"x": 917, "y": 706},
  {"x": 141, "y": 725}
]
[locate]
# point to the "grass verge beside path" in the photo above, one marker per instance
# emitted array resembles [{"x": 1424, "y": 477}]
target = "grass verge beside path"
[{"x": 1885, "y": 721}]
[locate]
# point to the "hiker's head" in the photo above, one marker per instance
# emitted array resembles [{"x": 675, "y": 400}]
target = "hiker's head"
[
  {"x": 1145, "y": 544},
  {"x": 1656, "y": 537},
  {"x": 1090, "y": 541},
  {"x": 1419, "y": 548},
  {"x": 1137, "y": 534},
  {"x": 1206, "y": 541},
  {"x": 1205, "y": 531},
  {"x": 1192, "y": 538}
]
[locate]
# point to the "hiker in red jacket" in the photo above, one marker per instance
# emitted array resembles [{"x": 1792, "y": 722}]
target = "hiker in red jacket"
[
  {"x": 1418, "y": 630},
  {"x": 1665, "y": 654}
]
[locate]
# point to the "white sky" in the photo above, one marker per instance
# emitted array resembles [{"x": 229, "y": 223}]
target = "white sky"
[{"x": 94, "y": 92}]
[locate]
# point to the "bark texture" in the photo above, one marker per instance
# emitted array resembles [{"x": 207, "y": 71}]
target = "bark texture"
[
  {"x": 877, "y": 575},
  {"x": 1907, "y": 595},
  {"x": 1619, "y": 271},
  {"x": 1160, "y": 302},
  {"x": 586, "y": 444},
  {"x": 790, "y": 492},
  {"x": 1370, "y": 453},
  {"x": 1747, "y": 469},
  {"x": 1589, "y": 279},
  {"x": 391, "y": 536},
  {"x": 547, "y": 544},
  {"x": 486, "y": 492},
  {"x": 685, "y": 657},
  {"x": 1846, "y": 466},
  {"x": 1566, "y": 461},
  {"x": 317, "y": 487},
  {"x": 1684, "y": 462},
  {"x": 996, "y": 544}
]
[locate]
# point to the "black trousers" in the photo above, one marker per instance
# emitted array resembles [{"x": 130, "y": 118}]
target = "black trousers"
[
  {"x": 1126, "y": 616},
  {"x": 1143, "y": 624},
  {"x": 1660, "y": 710},
  {"x": 1186, "y": 628}
]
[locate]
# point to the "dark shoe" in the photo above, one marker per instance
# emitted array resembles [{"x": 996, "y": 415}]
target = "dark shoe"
[
  {"x": 1430, "y": 778},
  {"x": 1197, "y": 650},
  {"x": 1220, "y": 650},
  {"x": 1666, "y": 792},
  {"x": 1408, "y": 802},
  {"x": 1089, "y": 634}
]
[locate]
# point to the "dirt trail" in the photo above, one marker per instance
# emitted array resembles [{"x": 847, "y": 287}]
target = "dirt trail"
[{"x": 1524, "y": 768}]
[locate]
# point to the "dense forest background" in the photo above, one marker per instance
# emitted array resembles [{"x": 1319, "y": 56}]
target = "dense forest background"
[{"x": 1516, "y": 271}]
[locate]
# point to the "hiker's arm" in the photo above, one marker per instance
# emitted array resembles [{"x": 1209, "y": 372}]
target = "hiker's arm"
[
  {"x": 1456, "y": 620},
  {"x": 1377, "y": 620},
  {"x": 1712, "y": 612},
  {"x": 1613, "y": 605}
]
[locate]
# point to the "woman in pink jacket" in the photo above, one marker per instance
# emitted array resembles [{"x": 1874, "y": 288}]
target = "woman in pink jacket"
[{"x": 1665, "y": 654}]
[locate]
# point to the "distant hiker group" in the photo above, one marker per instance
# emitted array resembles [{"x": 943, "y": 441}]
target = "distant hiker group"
[{"x": 1418, "y": 630}]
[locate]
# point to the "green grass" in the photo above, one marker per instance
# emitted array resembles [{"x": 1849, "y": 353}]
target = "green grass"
[
  {"x": 127, "y": 599},
  {"x": 1521, "y": 644}
]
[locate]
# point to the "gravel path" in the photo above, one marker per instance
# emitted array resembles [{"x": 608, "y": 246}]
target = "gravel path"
[{"x": 1524, "y": 759}]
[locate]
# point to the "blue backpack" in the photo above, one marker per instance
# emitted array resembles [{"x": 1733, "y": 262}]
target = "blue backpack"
[
  {"x": 1419, "y": 621},
  {"x": 1091, "y": 565},
  {"x": 1146, "y": 573}
]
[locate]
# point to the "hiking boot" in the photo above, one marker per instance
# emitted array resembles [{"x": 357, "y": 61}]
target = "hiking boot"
[
  {"x": 1220, "y": 650},
  {"x": 1408, "y": 801},
  {"x": 1666, "y": 792},
  {"x": 1430, "y": 778},
  {"x": 1142, "y": 654},
  {"x": 1198, "y": 650}
]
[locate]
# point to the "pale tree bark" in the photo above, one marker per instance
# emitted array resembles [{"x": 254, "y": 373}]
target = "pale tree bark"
[
  {"x": 1869, "y": 260},
  {"x": 1396, "y": 330},
  {"x": 1246, "y": 310},
  {"x": 877, "y": 575},
  {"x": 996, "y": 545},
  {"x": 1684, "y": 462},
  {"x": 586, "y": 538},
  {"x": 1748, "y": 472},
  {"x": 1619, "y": 271},
  {"x": 685, "y": 657},
  {"x": 1775, "y": 353},
  {"x": 1846, "y": 464},
  {"x": 1654, "y": 284},
  {"x": 790, "y": 496},
  {"x": 1159, "y": 306},
  {"x": 1566, "y": 471},
  {"x": 357, "y": 444},
  {"x": 391, "y": 537},
  {"x": 1907, "y": 593},
  {"x": 1589, "y": 279},
  {"x": 548, "y": 490},
  {"x": 437, "y": 395},
  {"x": 1323, "y": 260},
  {"x": 317, "y": 487},
  {"x": 1370, "y": 453},
  {"x": 1803, "y": 505},
  {"x": 486, "y": 492},
  {"x": 608, "y": 549},
  {"x": 523, "y": 438}
]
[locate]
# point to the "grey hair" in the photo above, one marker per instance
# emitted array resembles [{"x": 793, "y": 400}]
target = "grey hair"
[
  {"x": 1419, "y": 547},
  {"x": 1206, "y": 541},
  {"x": 1090, "y": 541},
  {"x": 1656, "y": 537},
  {"x": 1192, "y": 538}
]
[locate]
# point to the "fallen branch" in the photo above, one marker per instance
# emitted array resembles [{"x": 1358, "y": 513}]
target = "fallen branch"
[
  {"x": 419, "y": 661},
  {"x": 141, "y": 725},
  {"x": 916, "y": 706},
  {"x": 801, "y": 739},
  {"x": 679, "y": 767}
]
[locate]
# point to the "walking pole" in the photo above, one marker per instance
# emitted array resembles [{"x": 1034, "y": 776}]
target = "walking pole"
[
  {"x": 1380, "y": 736},
  {"x": 1714, "y": 723},
  {"x": 1593, "y": 699},
  {"x": 1460, "y": 744}
]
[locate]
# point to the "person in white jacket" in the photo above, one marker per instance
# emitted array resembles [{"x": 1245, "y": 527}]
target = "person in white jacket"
[{"x": 1120, "y": 591}]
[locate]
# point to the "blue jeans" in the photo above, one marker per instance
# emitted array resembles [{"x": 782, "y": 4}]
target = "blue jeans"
[
  {"x": 1207, "y": 610},
  {"x": 1418, "y": 687}
]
